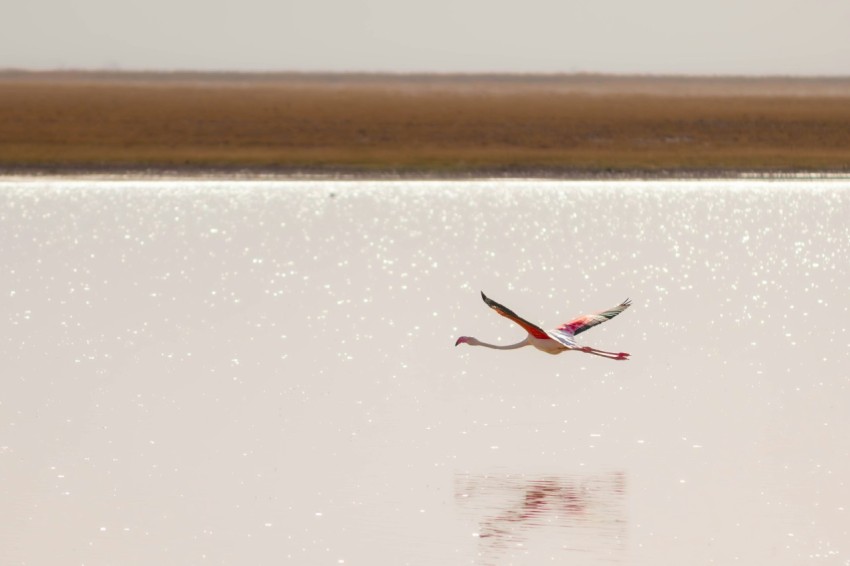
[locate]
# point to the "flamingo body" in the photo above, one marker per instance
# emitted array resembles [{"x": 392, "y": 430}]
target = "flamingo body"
[{"x": 561, "y": 339}]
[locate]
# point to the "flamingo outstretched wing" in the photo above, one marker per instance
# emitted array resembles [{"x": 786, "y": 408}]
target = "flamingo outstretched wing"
[
  {"x": 582, "y": 323},
  {"x": 532, "y": 329}
]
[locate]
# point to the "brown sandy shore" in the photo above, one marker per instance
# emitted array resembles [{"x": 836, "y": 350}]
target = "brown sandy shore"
[{"x": 283, "y": 125}]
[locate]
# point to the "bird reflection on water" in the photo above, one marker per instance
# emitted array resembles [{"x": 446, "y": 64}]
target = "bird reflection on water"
[{"x": 575, "y": 513}]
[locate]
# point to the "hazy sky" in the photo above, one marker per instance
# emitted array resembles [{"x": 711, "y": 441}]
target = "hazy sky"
[{"x": 796, "y": 37}]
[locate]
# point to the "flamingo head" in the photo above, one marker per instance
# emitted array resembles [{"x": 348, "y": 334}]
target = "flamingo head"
[{"x": 466, "y": 340}]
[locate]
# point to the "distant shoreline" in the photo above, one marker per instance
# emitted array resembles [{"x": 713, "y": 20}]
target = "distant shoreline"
[
  {"x": 324, "y": 174},
  {"x": 314, "y": 125},
  {"x": 588, "y": 83}
]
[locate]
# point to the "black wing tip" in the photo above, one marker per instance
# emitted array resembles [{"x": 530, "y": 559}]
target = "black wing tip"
[
  {"x": 493, "y": 304},
  {"x": 626, "y": 303}
]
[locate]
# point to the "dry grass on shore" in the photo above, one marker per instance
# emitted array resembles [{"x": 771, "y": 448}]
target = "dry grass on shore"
[{"x": 419, "y": 125}]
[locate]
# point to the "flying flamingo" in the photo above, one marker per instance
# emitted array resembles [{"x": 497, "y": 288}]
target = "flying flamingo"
[{"x": 562, "y": 339}]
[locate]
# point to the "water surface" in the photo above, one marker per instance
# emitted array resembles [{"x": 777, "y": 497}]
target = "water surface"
[{"x": 264, "y": 372}]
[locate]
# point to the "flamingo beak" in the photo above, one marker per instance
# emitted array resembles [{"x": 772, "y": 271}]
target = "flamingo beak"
[{"x": 460, "y": 340}]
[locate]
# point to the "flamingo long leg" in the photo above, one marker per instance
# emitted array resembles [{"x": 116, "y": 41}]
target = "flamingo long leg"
[
  {"x": 609, "y": 357},
  {"x": 604, "y": 353},
  {"x": 589, "y": 349}
]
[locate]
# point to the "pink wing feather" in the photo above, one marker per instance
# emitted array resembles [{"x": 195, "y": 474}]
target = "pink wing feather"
[
  {"x": 532, "y": 329},
  {"x": 582, "y": 323}
]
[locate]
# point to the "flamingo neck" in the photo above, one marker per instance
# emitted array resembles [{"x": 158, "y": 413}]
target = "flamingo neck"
[{"x": 498, "y": 347}]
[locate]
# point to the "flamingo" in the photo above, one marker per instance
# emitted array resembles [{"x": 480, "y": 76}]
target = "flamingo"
[{"x": 562, "y": 339}]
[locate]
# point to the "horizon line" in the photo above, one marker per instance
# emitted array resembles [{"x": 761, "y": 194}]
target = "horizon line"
[{"x": 410, "y": 74}]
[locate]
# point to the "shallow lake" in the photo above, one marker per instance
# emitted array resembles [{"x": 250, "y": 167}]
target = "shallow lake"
[{"x": 235, "y": 372}]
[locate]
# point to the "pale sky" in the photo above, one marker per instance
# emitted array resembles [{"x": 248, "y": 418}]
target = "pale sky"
[{"x": 761, "y": 37}]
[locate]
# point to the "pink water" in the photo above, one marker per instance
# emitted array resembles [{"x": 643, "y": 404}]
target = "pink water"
[{"x": 264, "y": 373}]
